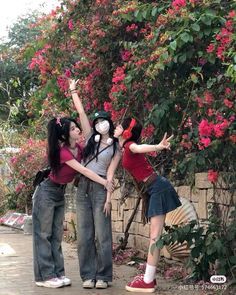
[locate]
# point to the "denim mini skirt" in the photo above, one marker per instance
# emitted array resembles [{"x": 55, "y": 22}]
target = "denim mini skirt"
[{"x": 163, "y": 198}]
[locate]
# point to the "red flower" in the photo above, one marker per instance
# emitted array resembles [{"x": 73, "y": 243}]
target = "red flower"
[
  {"x": 212, "y": 176},
  {"x": 205, "y": 128}
]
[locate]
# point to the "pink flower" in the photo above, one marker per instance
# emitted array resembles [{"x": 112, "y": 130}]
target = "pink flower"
[
  {"x": 228, "y": 103},
  {"x": 206, "y": 141},
  {"x": 119, "y": 75},
  {"x": 132, "y": 27},
  {"x": 126, "y": 55},
  {"x": 208, "y": 97},
  {"x": 205, "y": 128},
  {"x": 210, "y": 48},
  {"x": 218, "y": 130},
  {"x": 67, "y": 73},
  {"x": 178, "y": 4},
  {"x": 212, "y": 176},
  {"x": 227, "y": 91},
  {"x": 199, "y": 101},
  {"x": 148, "y": 131},
  {"x": 70, "y": 24},
  {"x": 107, "y": 106},
  {"x": 210, "y": 112}
]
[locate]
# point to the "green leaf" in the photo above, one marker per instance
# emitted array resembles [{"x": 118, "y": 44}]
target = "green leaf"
[
  {"x": 195, "y": 27},
  {"x": 206, "y": 19},
  {"x": 185, "y": 37},
  {"x": 182, "y": 58},
  {"x": 159, "y": 244},
  {"x": 154, "y": 11},
  {"x": 211, "y": 58},
  {"x": 173, "y": 45},
  {"x": 232, "y": 259}
]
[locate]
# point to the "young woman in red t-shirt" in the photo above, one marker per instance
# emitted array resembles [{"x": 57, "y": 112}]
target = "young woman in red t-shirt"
[
  {"x": 64, "y": 156},
  {"x": 162, "y": 196}
]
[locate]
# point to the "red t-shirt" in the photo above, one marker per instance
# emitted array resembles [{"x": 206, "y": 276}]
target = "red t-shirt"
[
  {"x": 136, "y": 164},
  {"x": 66, "y": 173}
]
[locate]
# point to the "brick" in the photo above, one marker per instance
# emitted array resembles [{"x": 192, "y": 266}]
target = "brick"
[
  {"x": 117, "y": 226},
  {"x": 184, "y": 191},
  {"x": 142, "y": 243},
  {"x": 210, "y": 195},
  {"x": 220, "y": 196},
  {"x": 138, "y": 216},
  {"x": 201, "y": 181},
  {"x": 116, "y": 237},
  {"x": 132, "y": 241},
  {"x": 116, "y": 195},
  {"x": 144, "y": 230},
  {"x": 120, "y": 213},
  {"x": 198, "y": 194},
  {"x": 114, "y": 204},
  {"x": 129, "y": 203},
  {"x": 202, "y": 207}
]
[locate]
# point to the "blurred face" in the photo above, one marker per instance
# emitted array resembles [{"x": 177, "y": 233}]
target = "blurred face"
[
  {"x": 102, "y": 126},
  {"x": 118, "y": 131},
  {"x": 75, "y": 132}
]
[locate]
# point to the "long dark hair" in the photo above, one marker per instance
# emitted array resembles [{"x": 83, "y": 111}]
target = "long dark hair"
[
  {"x": 136, "y": 130},
  {"x": 92, "y": 147},
  {"x": 58, "y": 132}
]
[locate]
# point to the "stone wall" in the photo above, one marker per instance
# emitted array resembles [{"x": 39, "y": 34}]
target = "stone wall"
[{"x": 202, "y": 196}]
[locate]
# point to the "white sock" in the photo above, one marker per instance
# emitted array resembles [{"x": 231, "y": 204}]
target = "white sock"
[{"x": 150, "y": 273}]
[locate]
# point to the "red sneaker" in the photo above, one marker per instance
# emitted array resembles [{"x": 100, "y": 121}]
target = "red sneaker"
[
  {"x": 138, "y": 285},
  {"x": 141, "y": 275}
]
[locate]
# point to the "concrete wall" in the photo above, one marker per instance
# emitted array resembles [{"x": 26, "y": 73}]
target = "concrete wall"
[{"x": 202, "y": 196}]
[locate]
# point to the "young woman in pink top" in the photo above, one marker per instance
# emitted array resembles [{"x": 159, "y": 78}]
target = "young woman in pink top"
[
  {"x": 64, "y": 156},
  {"x": 162, "y": 196}
]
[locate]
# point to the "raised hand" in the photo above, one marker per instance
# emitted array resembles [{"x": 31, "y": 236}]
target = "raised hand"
[
  {"x": 165, "y": 142},
  {"x": 72, "y": 84}
]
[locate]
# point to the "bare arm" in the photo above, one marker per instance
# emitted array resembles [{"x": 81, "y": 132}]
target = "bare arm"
[
  {"x": 86, "y": 172},
  {"x": 86, "y": 128},
  {"x": 113, "y": 165},
  {"x": 110, "y": 174},
  {"x": 147, "y": 148}
]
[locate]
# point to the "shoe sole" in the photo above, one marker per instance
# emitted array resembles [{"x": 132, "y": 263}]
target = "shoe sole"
[
  {"x": 48, "y": 286},
  {"x": 88, "y": 287},
  {"x": 100, "y": 287},
  {"x": 143, "y": 290}
]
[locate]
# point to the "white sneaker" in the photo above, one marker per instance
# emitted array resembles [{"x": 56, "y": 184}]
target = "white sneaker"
[
  {"x": 88, "y": 284},
  {"x": 53, "y": 283},
  {"x": 100, "y": 284},
  {"x": 66, "y": 281}
]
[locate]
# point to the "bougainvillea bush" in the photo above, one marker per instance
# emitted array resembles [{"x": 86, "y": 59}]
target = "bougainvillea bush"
[
  {"x": 171, "y": 64},
  {"x": 24, "y": 166}
]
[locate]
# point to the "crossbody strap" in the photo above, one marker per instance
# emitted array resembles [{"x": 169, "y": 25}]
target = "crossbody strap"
[{"x": 96, "y": 155}]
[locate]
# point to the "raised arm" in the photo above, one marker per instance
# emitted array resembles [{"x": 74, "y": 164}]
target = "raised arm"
[
  {"x": 86, "y": 128},
  {"x": 147, "y": 148}
]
